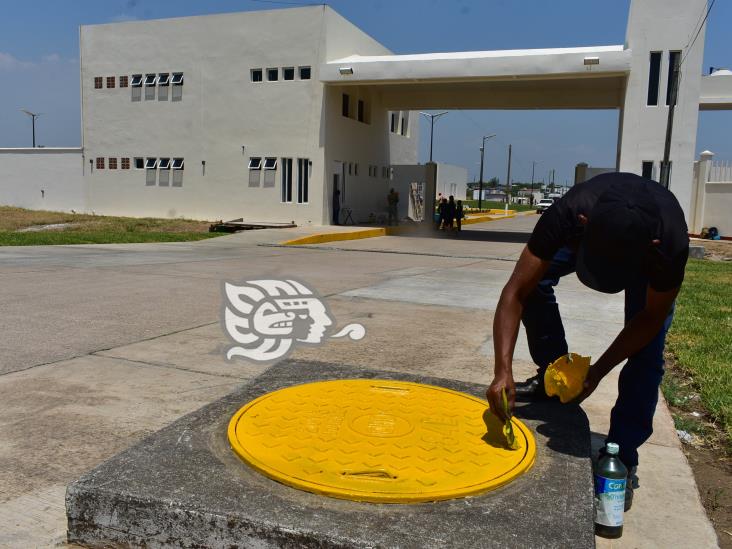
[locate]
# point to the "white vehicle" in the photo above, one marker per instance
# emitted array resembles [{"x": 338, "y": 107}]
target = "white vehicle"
[{"x": 543, "y": 204}]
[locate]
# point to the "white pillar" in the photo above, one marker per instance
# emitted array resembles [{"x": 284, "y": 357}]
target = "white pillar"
[
  {"x": 701, "y": 176},
  {"x": 663, "y": 26}
]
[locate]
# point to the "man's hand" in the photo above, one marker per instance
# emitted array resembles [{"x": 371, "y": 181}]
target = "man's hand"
[
  {"x": 594, "y": 376},
  {"x": 495, "y": 399}
]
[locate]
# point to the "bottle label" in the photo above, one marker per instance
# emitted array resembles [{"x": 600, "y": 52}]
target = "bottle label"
[{"x": 609, "y": 501}]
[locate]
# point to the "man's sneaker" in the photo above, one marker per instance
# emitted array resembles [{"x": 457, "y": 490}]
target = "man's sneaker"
[{"x": 531, "y": 389}]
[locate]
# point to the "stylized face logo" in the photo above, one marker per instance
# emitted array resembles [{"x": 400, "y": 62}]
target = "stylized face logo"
[{"x": 266, "y": 318}]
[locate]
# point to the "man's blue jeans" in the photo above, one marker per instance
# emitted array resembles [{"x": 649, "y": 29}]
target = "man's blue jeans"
[{"x": 631, "y": 420}]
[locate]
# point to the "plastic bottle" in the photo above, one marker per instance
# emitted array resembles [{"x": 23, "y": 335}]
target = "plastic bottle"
[{"x": 610, "y": 478}]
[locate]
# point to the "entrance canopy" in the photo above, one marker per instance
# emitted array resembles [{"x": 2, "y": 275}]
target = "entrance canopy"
[{"x": 558, "y": 78}]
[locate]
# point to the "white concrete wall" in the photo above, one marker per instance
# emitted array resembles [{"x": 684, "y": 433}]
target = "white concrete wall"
[
  {"x": 662, "y": 25},
  {"x": 711, "y": 196},
  {"x": 42, "y": 179},
  {"x": 452, "y": 180},
  {"x": 718, "y": 210}
]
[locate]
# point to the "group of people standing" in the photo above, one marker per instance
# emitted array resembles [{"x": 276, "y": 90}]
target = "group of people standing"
[{"x": 449, "y": 213}]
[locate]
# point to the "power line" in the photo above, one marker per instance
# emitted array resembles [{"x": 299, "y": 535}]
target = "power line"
[{"x": 698, "y": 32}]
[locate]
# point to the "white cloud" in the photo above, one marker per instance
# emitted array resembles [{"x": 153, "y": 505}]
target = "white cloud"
[
  {"x": 51, "y": 58},
  {"x": 9, "y": 63}
]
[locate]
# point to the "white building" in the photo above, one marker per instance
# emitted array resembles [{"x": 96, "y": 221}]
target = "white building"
[
  {"x": 261, "y": 115},
  {"x": 225, "y": 116}
]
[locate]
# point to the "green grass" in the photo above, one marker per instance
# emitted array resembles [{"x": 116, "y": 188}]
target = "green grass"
[
  {"x": 43, "y": 238},
  {"x": 701, "y": 339},
  {"x": 487, "y": 204},
  {"x": 94, "y": 229}
]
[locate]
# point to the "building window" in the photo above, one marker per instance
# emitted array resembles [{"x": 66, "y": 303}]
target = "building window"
[
  {"x": 124, "y": 81},
  {"x": 136, "y": 80},
  {"x": 177, "y": 82},
  {"x": 355, "y": 168},
  {"x": 303, "y": 180},
  {"x": 255, "y": 171},
  {"x": 150, "y": 171},
  {"x": 110, "y": 81},
  {"x": 654, "y": 77},
  {"x": 345, "y": 105},
  {"x": 163, "y": 79},
  {"x": 673, "y": 58},
  {"x": 125, "y": 163},
  {"x": 112, "y": 163},
  {"x": 150, "y": 80},
  {"x": 163, "y": 85},
  {"x": 288, "y": 73},
  {"x": 164, "y": 178},
  {"x": 273, "y": 74},
  {"x": 287, "y": 180},
  {"x": 270, "y": 169},
  {"x": 404, "y": 130},
  {"x": 178, "y": 166},
  {"x": 139, "y": 163},
  {"x": 256, "y": 75},
  {"x": 360, "y": 113},
  {"x": 304, "y": 73},
  {"x": 100, "y": 163},
  {"x": 647, "y": 169},
  {"x": 98, "y": 82},
  {"x": 393, "y": 122},
  {"x": 350, "y": 169}
]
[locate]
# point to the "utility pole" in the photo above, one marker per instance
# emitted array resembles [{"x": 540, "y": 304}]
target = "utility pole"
[
  {"x": 666, "y": 163},
  {"x": 33, "y": 116},
  {"x": 533, "y": 167},
  {"x": 508, "y": 177},
  {"x": 480, "y": 184},
  {"x": 432, "y": 118}
]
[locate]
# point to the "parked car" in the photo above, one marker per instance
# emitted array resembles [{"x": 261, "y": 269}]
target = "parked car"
[{"x": 543, "y": 204}]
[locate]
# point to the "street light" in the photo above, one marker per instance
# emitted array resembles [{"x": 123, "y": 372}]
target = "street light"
[
  {"x": 33, "y": 118},
  {"x": 432, "y": 118},
  {"x": 480, "y": 183}
]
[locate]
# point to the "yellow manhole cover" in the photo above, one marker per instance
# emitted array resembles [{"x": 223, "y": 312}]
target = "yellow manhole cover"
[{"x": 379, "y": 441}]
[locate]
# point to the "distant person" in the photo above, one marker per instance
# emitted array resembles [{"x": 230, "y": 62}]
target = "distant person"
[
  {"x": 459, "y": 215},
  {"x": 450, "y": 213},
  {"x": 336, "y": 206},
  {"x": 393, "y": 200},
  {"x": 441, "y": 213}
]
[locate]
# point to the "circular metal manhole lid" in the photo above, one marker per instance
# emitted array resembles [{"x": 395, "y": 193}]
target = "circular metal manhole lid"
[{"x": 379, "y": 441}]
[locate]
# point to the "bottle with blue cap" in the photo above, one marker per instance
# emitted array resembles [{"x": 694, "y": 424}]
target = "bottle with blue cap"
[{"x": 610, "y": 478}]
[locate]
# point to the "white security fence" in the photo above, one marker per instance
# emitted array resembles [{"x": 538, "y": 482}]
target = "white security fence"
[
  {"x": 711, "y": 204},
  {"x": 43, "y": 178}
]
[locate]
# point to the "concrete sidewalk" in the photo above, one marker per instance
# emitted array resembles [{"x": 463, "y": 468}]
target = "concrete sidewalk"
[{"x": 103, "y": 345}]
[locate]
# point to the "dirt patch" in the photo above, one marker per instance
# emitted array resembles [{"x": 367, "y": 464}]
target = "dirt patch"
[
  {"x": 713, "y": 473},
  {"x": 715, "y": 250}
]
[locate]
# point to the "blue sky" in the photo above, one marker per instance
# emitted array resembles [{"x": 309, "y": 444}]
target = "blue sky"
[{"x": 39, "y": 70}]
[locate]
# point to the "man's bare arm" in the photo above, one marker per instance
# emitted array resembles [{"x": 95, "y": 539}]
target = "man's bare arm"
[
  {"x": 638, "y": 333},
  {"x": 526, "y": 275}
]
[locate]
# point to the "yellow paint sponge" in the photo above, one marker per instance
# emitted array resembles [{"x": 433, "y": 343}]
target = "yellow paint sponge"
[{"x": 565, "y": 376}]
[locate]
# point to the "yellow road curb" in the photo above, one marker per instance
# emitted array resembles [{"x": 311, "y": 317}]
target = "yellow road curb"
[
  {"x": 320, "y": 238},
  {"x": 485, "y": 218}
]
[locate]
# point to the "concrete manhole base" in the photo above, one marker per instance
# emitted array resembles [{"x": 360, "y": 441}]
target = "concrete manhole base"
[{"x": 184, "y": 487}]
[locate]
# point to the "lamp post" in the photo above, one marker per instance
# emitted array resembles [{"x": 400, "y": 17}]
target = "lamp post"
[
  {"x": 432, "y": 118},
  {"x": 480, "y": 183},
  {"x": 33, "y": 116}
]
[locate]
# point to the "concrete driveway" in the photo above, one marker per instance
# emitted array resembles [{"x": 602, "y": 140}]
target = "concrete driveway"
[{"x": 102, "y": 345}]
